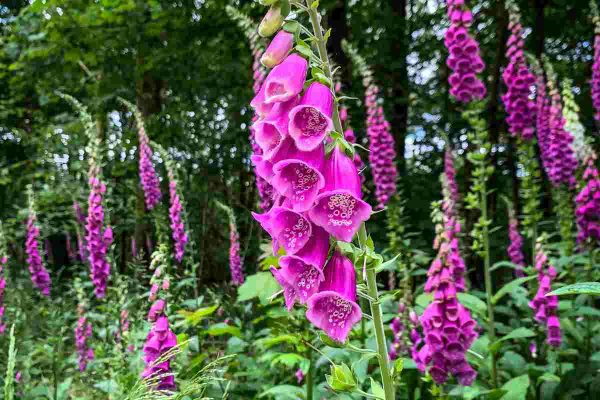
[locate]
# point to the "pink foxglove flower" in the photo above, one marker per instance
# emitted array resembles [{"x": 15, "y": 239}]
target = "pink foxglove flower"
[
  {"x": 382, "y": 151},
  {"x": 464, "y": 59},
  {"x": 148, "y": 176},
  {"x": 85, "y": 353},
  {"x": 98, "y": 239},
  {"x": 450, "y": 178},
  {"x": 180, "y": 238},
  {"x": 39, "y": 274},
  {"x": 316, "y": 196},
  {"x": 520, "y": 109},
  {"x": 399, "y": 328},
  {"x": 339, "y": 209},
  {"x": 447, "y": 325},
  {"x": 235, "y": 259},
  {"x": 546, "y": 307},
  {"x": 334, "y": 307},
  {"x": 278, "y": 49},
  {"x": 587, "y": 202},
  {"x": 595, "y": 82},
  {"x": 310, "y": 121},
  {"x": 299, "y": 375},
  {"x": 515, "y": 249},
  {"x": 159, "y": 341}
]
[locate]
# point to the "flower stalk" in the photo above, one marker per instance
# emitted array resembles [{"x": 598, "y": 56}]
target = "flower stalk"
[{"x": 371, "y": 277}]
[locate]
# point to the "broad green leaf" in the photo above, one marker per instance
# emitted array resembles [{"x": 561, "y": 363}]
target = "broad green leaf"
[
  {"x": 509, "y": 287},
  {"x": 473, "y": 303},
  {"x": 261, "y": 285},
  {"x": 592, "y": 288},
  {"x": 515, "y": 334},
  {"x": 290, "y": 360},
  {"x": 194, "y": 317},
  {"x": 284, "y": 392},
  {"x": 377, "y": 390},
  {"x": 223, "y": 329},
  {"x": 516, "y": 388},
  {"x": 341, "y": 379},
  {"x": 548, "y": 377}
]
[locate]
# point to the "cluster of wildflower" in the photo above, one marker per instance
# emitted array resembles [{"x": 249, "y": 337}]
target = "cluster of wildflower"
[
  {"x": 464, "y": 59},
  {"x": 400, "y": 327},
  {"x": 381, "y": 148},
  {"x": 39, "y": 274},
  {"x": 546, "y": 307},
  {"x": 447, "y": 325},
  {"x": 177, "y": 228},
  {"x": 235, "y": 259},
  {"x": 556, "y": 150},
  {"x": 515, "y": 248},
  {"x": 519, "y": 81},
  {"x": 595, "y": 83},
  {"x": 317, "y": 195},
  {"x": 97, "y": 238},
  {"x": 83, "y": 331},
  {"x": 160, "y": 340},
  {"x": 587, "y": 204},
  {"x": 148, "y": 176}
]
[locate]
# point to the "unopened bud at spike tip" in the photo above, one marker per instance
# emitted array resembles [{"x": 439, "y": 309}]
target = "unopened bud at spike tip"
[{"x": 271, "y": 22}]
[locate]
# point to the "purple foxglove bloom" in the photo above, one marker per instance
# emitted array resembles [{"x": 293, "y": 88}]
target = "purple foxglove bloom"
[
  {"x": 159, "y": 341},
  {"x": 587, "y": 204},
  {"x": 287, "y": 228},
  {"x": 310, "y": 121},
  {"x": 546, "y": 307},
  {"x": 316, "y": 249},
  {"x": 148, "y": 176},
  {"x": 83, "y": 331},
  {"x": 299, "y": 375},
  {"x": 298, "y": 279},
  {"x": 284, "y": 82},
  {"x": 520, "y": 109},
  {"x": 382, "y": 151},
  {"x": 450, "y": 175},
  {"x": 157, "y": 309},
  {"x": 595, "y": 82},
  {"x": 180, "y": 238},
  {"x": 278, "y": 49},
  {"x": 339, "y": 208},
  {"x": 79, "y": 213},
  {"x": 235, "y": 260},
  {"x": 333, "y": 309},
  {"x": 98, "y": 239},
  {"x": 515, "y": 251},
  {"x": 560, "y": 150},
  {"x": 298, "y": 181},
  {"x": 271, "y": 131},
  {"x": 533, "y": 349},
  {"x": 464, "y": 59},
  {"x": 39, "y": 274},
  {"x": 261, "y": 108}
]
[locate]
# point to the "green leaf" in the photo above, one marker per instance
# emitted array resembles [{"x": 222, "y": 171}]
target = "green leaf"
[
  {"x": 509, "y": 287},
  {"x": 548, "y": 377},
  {"x": 315, "y": 4},
  {"x": 592, "y": 288},
  {"x": 194, "y": 318},
  {"x": 341, "y": 378},
  {"x": 515, "y": 334},
  {"x": 290, "y": 360},
  {"x": 291, "y": 26},
  {"x": 424, "y": 299},
  {"x": 107, "y": 386},
  {"x": 398, "y": 367},
  {"x": 261, "y": 285},
  {"x": 330, "y": 342},
  {"x": 376, "y": 389},
  {"x": 284, "y": 392},
  {"x": 223, "y": 329},
  {"x": 473, "y": 303},
  {"x": 516, "y": 388}
]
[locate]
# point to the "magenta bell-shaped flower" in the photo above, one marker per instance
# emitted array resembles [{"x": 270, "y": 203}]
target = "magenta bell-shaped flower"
[
  {"x": 271, "y": 131},
  {"x": 339, "y": 208},
  {"x": 278, "y": 49},
  {"x": 298, "y": 279},
  {"x": 310, "y": 121},
  {"x": 288, "y": 229},
  {"x": 285, "y": 81},
  {"x": 298, "y": 181},
  {"x": 334, "y": 308}
]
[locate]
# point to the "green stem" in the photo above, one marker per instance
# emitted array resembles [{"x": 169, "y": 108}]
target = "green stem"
[
  {"x": 309, "y": 378},
  {"x": 488, "y": 282},
  {"x": 388, "y": 385},
  {"x": 386, "y": 378}
]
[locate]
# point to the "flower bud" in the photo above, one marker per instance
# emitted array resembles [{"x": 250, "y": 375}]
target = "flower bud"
[
  {"x": 271, "y": 22},
  {"x": 278, "y": 49}
]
